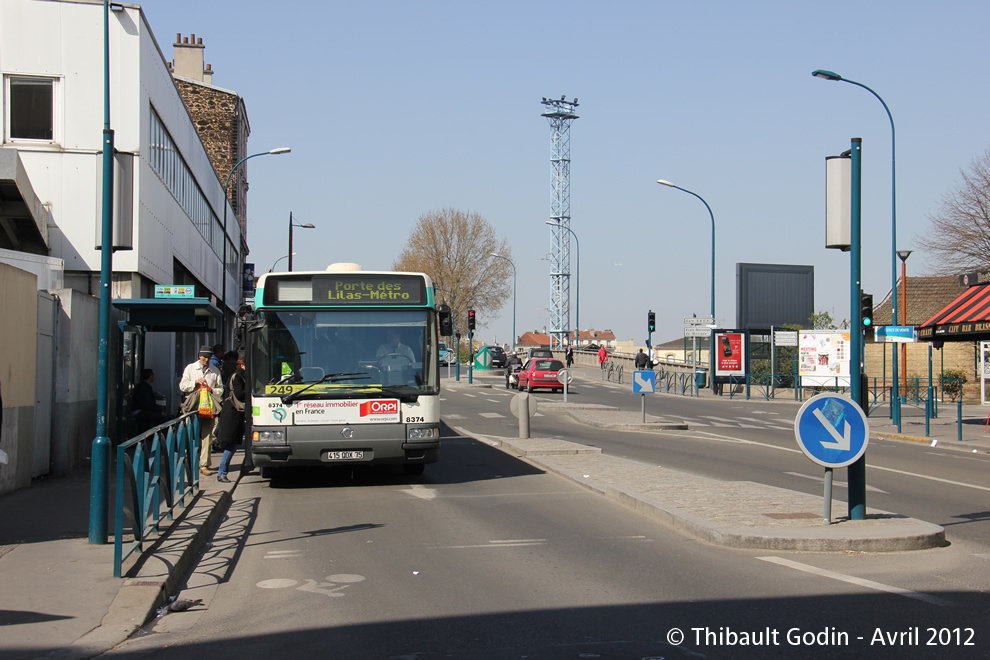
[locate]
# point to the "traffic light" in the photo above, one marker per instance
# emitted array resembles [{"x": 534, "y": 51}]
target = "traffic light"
[
  {"x": 651, "y": 320},
  {"x": 866, "y": 309},
  {"x": 470, "y": 319},
  {"x": 446, "y": 321}
]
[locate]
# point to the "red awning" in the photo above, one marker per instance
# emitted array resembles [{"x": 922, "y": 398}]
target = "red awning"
[{"x": 967, "y": 318}]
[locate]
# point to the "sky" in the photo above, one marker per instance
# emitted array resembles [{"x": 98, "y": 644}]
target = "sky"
[{"x": 396, "y": 109}]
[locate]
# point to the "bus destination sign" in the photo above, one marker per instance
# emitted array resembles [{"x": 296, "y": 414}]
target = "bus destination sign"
[{"x": 351, "y": 289}]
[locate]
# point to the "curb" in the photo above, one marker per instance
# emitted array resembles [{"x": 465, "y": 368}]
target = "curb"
[
  {"x": 139, "y": 598},
  {"x": 903, "y": 534}
]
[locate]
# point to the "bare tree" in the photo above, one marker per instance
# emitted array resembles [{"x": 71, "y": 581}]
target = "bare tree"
[
  {"x": 958, "y": 237},
  {"x": 454, "y": 248}
]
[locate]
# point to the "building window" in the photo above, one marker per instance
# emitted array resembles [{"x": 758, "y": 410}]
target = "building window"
[
  {"x": 171, "y": 167},
  {"x": 30, "y": 107}
]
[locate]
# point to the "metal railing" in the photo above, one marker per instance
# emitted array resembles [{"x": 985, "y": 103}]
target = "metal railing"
[
  {"x": 160, "y": 464},
  {"x": 612, "y": 370}
]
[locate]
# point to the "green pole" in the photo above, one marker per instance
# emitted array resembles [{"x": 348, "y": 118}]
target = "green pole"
[
  {"x": 856, "y": 471},
  {"x": 99, "y": 479}
]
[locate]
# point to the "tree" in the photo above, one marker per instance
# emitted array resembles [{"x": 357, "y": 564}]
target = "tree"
[
  {"x": 454, "y": 248},
  {"x": 958, "y": 235}
]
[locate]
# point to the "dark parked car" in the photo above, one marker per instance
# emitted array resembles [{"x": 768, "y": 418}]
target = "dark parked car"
[
  {"x": 498, "y": 357},
  {"x": 540, "y": 372},
  {"x": 539, "y": 353}
]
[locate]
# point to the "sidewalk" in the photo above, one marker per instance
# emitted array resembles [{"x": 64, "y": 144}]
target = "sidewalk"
[{"x": 58, "y": 598}]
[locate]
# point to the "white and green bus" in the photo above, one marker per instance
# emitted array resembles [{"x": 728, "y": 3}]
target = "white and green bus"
[{"x": 343, "y": 369}]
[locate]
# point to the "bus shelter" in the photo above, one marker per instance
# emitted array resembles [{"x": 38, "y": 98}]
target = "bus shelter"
[{"x": 144, "y": 315}]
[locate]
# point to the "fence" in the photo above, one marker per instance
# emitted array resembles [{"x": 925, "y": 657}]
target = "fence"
[{"x": 159, "y": 464}]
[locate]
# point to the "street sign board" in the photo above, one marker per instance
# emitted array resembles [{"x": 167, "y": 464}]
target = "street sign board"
[
  {"x": 644, "y": 382},
  {"x": 182, "y": 291},
  {"x": 696, "y": 321},
  {"x": 785, "y": 337},
  {"x": 697, "y": 331},
  {"x": 564, "y": 377},
  {"x": 896, "y": 334},
  {"x": 832, "y": 430}
]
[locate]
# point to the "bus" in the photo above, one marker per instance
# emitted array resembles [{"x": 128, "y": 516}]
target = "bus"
[{"x": 343, "y": 368}]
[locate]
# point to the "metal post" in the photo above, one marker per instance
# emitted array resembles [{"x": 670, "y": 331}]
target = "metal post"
[
  {"x": 857, "y": 471},
  {"x": 290, "y": 241},
  {"x": 828, "y": 496},
  {"x": 99, "y": 478},
  {"x": 959, "y": 417},
  {"x": 642, "y": 405}
]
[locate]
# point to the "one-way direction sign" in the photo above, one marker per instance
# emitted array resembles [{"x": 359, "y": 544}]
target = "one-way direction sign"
[
  {"x": 832, "y": 430},
  {"x": 644, "y": 382}
]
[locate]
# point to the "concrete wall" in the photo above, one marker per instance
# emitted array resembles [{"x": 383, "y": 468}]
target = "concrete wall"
[
  {"x": 77, "y": 358},
  {"x": 18, "y": 328}
]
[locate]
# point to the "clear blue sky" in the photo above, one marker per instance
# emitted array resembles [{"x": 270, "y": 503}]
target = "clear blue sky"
[{"x": 394, "y": 109}]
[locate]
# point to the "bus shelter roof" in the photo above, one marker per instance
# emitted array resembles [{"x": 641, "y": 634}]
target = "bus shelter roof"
[{"x": 169, "y": 314}]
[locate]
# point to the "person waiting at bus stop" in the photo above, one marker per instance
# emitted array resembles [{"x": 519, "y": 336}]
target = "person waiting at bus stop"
[
  {"x": 230, "y": 423},
  {"x": 196, "y": 375}
]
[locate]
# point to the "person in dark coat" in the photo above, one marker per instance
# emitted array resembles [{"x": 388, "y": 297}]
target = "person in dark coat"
[
  {"x": 147, "y": 413},
  {"x": 641, "y": 360},
  {"x": 230, "y": 431}
]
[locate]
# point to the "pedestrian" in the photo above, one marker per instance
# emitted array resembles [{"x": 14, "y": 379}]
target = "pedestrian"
[
  {"x": 653, "y": 357},
  {"x": 602, "y": 356},
  {"x": 196, "y": 375},
  {"x": 640, "y": 360},
  {"x": 230, "y": 427},
  {"x": 144, "y": 404},
  {"x": 216, "y": 360},
  {"x": 569, "y": 355}
]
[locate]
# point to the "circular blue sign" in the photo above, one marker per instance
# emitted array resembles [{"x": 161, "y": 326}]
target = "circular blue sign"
[{"x": 832, "y": 430}]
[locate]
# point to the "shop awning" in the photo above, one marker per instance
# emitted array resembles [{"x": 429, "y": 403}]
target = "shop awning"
[{"x": 967, "y": 318}]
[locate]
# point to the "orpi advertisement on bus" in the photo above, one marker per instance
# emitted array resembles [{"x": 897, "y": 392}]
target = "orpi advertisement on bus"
[{"x": 375, "y": 411}]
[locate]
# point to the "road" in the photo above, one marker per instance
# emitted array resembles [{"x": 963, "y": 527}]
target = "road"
[{"x": 485, "y": 556}]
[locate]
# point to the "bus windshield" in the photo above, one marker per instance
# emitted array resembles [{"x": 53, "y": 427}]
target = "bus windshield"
[{"x": 345, "y": 353}]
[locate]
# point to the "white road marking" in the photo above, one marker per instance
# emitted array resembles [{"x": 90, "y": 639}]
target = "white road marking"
[
  {"x": 470, "y": 395},
  {"x": 420, "y": 491},
  {"x": 491, "y": 415},
  {"x": 517, "y": 543},
  {"x": 843, "y": 484},
  {"x": 869, "y": 584},
  {"x": 282, "y": 554}
]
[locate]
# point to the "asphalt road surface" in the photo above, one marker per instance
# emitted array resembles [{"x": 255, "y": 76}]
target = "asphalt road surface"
[{"x": 487, "y": 557}]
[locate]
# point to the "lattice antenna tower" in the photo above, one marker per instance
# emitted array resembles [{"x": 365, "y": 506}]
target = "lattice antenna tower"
[{"x": 560, "y": 114}]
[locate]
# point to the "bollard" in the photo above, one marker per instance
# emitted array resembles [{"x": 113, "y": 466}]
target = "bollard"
[{"x": 959, "y": 418}]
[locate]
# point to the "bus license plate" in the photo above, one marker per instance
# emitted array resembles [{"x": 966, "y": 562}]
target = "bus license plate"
[{"x": 345, "y": 455}]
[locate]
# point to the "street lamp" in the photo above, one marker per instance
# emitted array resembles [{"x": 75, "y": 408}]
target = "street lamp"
[
  {"x": 903, "y": 255},
  {"x": 895, "y": 404},
  {"x": 286, "y": 256},
  {"x": 662, "y": 182},
  {"x": 308, "y": 225},
  {"x": 226, "y": 203},
  {"x": 513, "y": 297},
  {"x": 577, "y": 296}
]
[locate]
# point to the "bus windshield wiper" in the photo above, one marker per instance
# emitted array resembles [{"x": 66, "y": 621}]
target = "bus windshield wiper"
[
  {"x": 329, "y": 378},
  {"x": 403, "y": 396}
]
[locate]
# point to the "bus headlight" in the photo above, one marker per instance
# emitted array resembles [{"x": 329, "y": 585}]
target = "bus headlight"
[
  {"x": 270, "y": 436},
  {"x": 424, "y": 433}
]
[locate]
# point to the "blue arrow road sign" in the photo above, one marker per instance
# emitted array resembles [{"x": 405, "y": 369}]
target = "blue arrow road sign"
[
  {"x": 644, "y": 382},
  {"x": 832, "y": 430}
]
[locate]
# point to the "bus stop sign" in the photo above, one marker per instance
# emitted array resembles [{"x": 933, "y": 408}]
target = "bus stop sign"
[{"x": 832, "y": 430}]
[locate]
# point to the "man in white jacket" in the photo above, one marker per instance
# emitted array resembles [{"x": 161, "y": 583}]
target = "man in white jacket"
[{"x": 195, "y": 375}]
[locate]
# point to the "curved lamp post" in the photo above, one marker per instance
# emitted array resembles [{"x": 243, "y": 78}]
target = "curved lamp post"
[
  {"x": 308, "y": 225},
  {"x": 284, "y": 256},
  {"x": 513, "y": 297},
  {"x": 577, "y": 296},
  {"x": 662, "y": 182},
  {"x": 895, "y": 403},
  {"x": 226, "y": 203}
]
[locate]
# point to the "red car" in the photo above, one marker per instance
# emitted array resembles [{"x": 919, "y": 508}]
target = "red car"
[{"x": 540, "y": 372}]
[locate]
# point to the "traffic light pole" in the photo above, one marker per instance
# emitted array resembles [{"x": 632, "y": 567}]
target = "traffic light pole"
[{"x": 856, "y": 474}]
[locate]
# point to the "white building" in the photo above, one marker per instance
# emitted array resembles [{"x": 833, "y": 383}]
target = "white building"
[{"x": 168, "y": 212}]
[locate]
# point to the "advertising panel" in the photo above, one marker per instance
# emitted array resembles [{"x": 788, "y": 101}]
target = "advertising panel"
[
  {"x": 824, "y": 359},
  {"x": 730, "y": 358}
]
